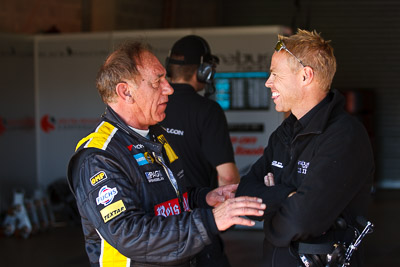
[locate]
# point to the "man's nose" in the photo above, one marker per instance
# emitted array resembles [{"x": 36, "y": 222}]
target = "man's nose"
[
  {"x": 167, "y": 88},
  {"x": 268, "y": 83}
]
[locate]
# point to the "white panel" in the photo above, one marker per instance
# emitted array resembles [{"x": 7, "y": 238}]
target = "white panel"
[
  {"x": 69, "y": 105},
  {"x": 17, "y": 133}
]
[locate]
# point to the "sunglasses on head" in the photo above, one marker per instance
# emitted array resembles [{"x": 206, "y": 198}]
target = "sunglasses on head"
[{"x": 280, "y": 45}]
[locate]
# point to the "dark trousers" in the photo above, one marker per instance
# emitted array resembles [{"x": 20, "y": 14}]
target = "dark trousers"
[
  {"x": 279, "y": 256},
  {"x": 213, "y": 255}
]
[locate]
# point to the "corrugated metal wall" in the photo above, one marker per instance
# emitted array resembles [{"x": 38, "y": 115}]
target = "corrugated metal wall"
[{"x": 366, "y": 38}]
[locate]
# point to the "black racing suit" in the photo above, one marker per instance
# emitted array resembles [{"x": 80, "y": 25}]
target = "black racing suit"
[
  {"x": 326, "y": 158},
  {"x": 131, "y": 196}
]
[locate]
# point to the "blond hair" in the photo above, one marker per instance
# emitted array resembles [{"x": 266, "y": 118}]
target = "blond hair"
[{"x": 314, "y": 52}]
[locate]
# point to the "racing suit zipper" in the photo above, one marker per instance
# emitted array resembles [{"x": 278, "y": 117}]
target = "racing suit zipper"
[{"x": 170, "y": 175}]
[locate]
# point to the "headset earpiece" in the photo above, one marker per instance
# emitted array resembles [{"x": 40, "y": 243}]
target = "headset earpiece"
[{"x": 206, "y": 71}]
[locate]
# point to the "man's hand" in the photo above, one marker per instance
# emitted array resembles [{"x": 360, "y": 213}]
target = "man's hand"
[
  {"x": 220, "y": 194},
  {"x": 269, "y": 179},
  {"x": 229, "y": 212}
]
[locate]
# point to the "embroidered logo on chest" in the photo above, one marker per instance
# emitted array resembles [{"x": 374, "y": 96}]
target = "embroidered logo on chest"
[
  {"x": 302, "y": 166},
  {"x": 154, "y": 176},
  {"x": 277, "y": 164}
]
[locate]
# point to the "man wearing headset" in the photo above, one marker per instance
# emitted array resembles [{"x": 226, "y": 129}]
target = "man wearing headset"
[{"x": 197, "y": 126}]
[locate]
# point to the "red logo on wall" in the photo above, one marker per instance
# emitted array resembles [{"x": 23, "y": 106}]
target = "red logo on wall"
[
  {"x": 16, "y": 124},
  {"x": 47, "y": 123},
  {"x": 247, "y": 145},
  {"x": 2, "y": 126}
]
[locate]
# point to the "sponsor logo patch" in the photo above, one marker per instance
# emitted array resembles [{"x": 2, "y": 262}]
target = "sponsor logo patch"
[
  {"x": 171, "y": 207},
  {"x": 154, "y": 176},
  {"x": 138, "y": 146},
  {"x": 112, "y": 210},
  {"x": 141, "y": 160},
  {"x": 106, "y": 195},
  {"x": 186, "y": 202},
  {"x": 148, "y": 157},
  {"x": 168, "y": 208},
  {"x": 98, "y": 177}
]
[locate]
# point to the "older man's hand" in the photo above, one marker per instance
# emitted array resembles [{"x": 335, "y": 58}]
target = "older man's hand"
[
  {"x": 230, "y": 211},
  {"x": 220, "y": 194}
]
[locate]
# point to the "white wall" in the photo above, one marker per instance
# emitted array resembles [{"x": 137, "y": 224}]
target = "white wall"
[
  {"x": 68, "y": 105},
  {"x": 17, "y": 133}
]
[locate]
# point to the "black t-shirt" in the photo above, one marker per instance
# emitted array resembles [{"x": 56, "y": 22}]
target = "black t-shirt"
[{"x": 198, "y": 133}]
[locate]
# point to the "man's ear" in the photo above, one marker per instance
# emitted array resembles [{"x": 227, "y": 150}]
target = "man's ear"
[
  {"x": 308, "y": 75},
  {"x": 124, "y": 93}
]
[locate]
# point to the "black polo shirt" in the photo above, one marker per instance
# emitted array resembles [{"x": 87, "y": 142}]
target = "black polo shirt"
[{"x": 198, "y": 133}]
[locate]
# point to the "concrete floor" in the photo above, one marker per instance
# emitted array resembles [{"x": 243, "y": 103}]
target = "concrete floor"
[{"x": 63, "y": 246}]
